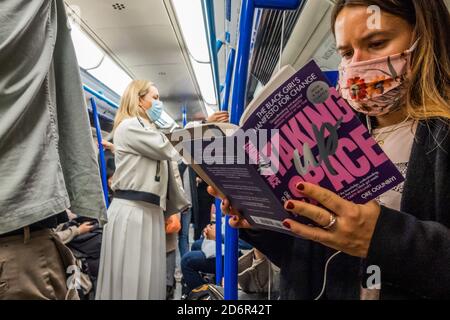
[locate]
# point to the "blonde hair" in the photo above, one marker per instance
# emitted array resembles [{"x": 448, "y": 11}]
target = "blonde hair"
[{"x": 129, "y": 103}]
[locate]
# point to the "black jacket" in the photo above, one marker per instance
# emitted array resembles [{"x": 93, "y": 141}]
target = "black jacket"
[{"x": 412, "y": 247}]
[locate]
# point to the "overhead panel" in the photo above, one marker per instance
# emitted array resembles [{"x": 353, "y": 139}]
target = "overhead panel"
[{"x": 140, "y": 37}]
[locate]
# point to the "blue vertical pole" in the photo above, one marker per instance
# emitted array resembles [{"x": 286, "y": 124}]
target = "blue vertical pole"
[
  {"x": 242, "y": 60},
  {"x": 219, "y": 258},
  {"x": 101, "y": 152},
  {"x": 219, "y": 44},
  {"x": 278, "y": 4},
  {"x": 237, "y": 108},
  {"x": 224, "y": 107},
  {"x": 228, "y": 77},
  {"x": 208, "y": 9},
  {"x": 228, "y": 10},
  {"x": 333, "y": 77},
  {"x": 184, "y": 115},
  {"x": 208, "y": 12}
]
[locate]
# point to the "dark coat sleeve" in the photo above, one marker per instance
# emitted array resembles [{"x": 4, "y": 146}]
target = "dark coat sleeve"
[{"x": 412, "y": 254}]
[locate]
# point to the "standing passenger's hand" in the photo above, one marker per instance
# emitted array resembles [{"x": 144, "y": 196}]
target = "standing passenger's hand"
[
  {"x": 108, "y": 145},
  {"x": 221, "y": 116}
]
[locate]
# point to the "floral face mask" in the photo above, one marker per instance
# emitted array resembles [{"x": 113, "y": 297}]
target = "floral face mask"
[{"x": 376, "y": 87}]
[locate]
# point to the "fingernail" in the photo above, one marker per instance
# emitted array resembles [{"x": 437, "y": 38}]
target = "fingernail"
[
  {"x": 289, "y": 205},
  {"x": 287, "y": 225},
  {"x": 300, "y": 186}
]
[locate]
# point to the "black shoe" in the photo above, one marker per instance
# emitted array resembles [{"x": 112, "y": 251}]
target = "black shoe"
[{"x": 184, "y": 288}]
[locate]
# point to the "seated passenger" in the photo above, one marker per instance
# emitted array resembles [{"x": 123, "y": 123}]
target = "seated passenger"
[{"x": 202, "y": 258}]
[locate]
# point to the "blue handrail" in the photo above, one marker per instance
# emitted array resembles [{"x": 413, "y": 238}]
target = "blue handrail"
[
  {"x": 208, "y": 13},
  {"x": 184, "y": 115},
  {"x": 277, "y": 4},
  {"x": 224, "y": 106},
  {"x": 219, "y": 45},
  {"x": 100, "y": 96},
  {"x": 100, "y": 149},
  {"x": 219, "y": 258},
  {"x": 237, "y": 108},
  {"x": 214, "y": 47},
  {"x": 333, "y": 77},
  {"x": 228, "y": 77},
  {"x": 228, "y": 11}
]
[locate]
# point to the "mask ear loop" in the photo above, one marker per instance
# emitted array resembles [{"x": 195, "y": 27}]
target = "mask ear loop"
[
  {"x": 410, "y": 53},
  {"x": 414, "y": 46}
]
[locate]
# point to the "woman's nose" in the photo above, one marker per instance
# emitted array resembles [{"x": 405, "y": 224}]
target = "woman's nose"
[
  {"x": 363, "y": 54},
  {"x": 358, "y": 56}
]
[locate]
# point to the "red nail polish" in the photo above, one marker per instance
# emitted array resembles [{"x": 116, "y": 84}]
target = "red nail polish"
[
  {"x": 287, "y": 225},
  {"x": 300, "y": 186},
  {"x": 290, "y": 205}
]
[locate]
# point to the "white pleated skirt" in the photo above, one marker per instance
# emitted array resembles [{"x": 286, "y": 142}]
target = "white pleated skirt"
[{"x": 133, "y": 256}]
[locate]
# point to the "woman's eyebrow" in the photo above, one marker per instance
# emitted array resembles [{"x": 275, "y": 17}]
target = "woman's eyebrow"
[
  {"x": 342, "y": 47},
  {"x": 367, "y": 38},
  {"x": 374, "y": 34}
]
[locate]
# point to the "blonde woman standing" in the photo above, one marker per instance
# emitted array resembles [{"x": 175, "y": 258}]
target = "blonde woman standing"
[{"x": 133, "y": 258}]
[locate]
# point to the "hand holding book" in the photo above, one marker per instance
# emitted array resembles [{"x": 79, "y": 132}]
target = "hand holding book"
[
  {"x": 352, "y": 233},
  {"x": 237, "y": 220},
  {"x": 299, "y": 130}
]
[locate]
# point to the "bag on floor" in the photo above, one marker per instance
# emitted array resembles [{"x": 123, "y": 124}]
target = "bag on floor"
[{"x": 206, "y": 292}]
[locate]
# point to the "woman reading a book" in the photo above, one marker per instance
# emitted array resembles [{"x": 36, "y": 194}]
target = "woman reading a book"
[{"x": 395, "y": 72}]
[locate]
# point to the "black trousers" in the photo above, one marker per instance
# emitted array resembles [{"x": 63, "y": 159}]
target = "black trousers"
[{"x": 202, "y": 216}]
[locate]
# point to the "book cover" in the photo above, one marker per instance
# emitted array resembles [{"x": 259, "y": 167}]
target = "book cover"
[{"x": 311, "y": 134}]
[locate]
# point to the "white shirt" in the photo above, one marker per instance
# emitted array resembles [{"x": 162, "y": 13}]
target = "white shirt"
[{"x": 396, "y": 141}]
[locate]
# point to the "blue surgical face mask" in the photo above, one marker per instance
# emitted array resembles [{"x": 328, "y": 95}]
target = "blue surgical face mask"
[{"x": 155, "y": 112}]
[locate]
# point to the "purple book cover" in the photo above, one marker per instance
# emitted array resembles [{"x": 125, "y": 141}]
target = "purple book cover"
[{"x": 318, "y": 139}]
